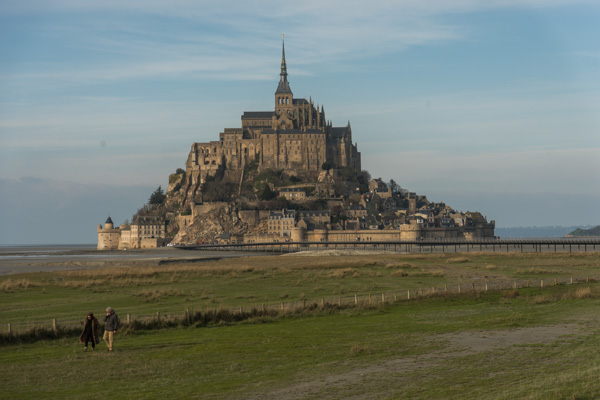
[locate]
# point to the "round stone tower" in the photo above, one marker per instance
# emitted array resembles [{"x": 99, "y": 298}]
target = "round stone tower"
[{"x": 109, "y": 237}]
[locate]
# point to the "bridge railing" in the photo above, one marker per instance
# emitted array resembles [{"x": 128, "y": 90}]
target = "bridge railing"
[{"x": 416, "y": 246}]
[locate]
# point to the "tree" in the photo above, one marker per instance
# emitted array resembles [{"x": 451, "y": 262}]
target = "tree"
[
  {"x": 157, "y": 197},
  {"x": 267, "y": 193},
  {"x": 394, "y": 186}
]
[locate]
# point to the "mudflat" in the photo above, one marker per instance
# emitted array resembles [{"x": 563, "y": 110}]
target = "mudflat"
[{"x": 17, "y": 260}]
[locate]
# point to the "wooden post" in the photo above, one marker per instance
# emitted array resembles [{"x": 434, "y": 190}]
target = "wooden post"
[
  {"x": 340, "y": 301},
  {"x": 187, "y": 315},
  {"x": 555, "y": 282},
  {"x": 445, "y": 289},
  {"x": 9, "y": 329},
  {"x": 263, "y": 307},
  {"x": 128, "y": 318},
  {"x": 514, "y": 284},
  {"x": 355, "y": 299},
  {"x": 486, "y": 286},
  {"x": 369, "y": 298},
  {"x": 571, "y": 279},
  {"x": 281, "y": 306},
  {"x": 382, "y": 298},
  {"x": 408, "y": 294},
  {"x": 459, "y": 288},
  {"x": 54, "y": 329},
  {"x": 158, "y": 315},
  {"x": 322, "y": 301},
  {"x": 473, "y": 286},
  {"x": 542, "y": 283}
]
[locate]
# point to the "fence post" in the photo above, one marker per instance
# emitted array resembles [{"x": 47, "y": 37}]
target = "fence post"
[
  {"x": 382, "y": 298},
  {"x": 408, "y": 294},
  {"x": 9, "y": 329},
  {"x": 355, "y": 299},
  {"x": 187, "y": 315},
  {"x": 128, "y": 318},
  {"x": 54, "y": 325},
  {"x": 571, "y": 279},
  {"x": 340, "y": 301},
  {"x": 514, "y": 284},
  {"x": 322, "y": 301},
  {"x": 369, "y": 298},
  {"x": 158, "y": 315},
  {"x": 459, "y": 288},
  {"x": 486, "y": 286},
  {"x": 281, "y": 306},
  {"x": 541, "y": 283}
]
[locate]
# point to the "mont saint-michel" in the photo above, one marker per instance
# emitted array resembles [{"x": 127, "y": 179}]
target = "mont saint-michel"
[{"x": 285, "y": 175}]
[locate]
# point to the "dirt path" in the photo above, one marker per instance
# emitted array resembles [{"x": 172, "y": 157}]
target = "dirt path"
[{"x": 455, "y": 346}]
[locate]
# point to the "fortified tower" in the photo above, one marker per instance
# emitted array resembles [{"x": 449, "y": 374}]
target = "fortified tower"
[{"x": 109, "y": 237}]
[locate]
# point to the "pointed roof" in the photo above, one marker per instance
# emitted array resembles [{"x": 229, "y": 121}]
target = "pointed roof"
[
  {"x": 284, "y": 86},
  {"x": 109, "y": 220}
]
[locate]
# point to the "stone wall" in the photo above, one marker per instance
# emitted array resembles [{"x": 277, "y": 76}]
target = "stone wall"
[{"x": 108, "y": 239}]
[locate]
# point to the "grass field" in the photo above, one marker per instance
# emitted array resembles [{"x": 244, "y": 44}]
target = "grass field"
[{"x": 531, "y": 343}]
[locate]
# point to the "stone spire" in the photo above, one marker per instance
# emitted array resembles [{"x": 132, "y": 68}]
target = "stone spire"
[{"x": 284, "y": 86}]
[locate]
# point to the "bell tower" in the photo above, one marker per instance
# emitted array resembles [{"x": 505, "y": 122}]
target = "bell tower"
[{"x": 284, "y": 95}]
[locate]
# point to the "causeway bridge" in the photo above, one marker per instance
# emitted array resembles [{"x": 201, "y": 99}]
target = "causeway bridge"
[{"x": 538, "y": 245}]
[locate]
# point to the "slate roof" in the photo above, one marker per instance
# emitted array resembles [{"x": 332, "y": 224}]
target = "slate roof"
[{"x": 258, "y": 114}]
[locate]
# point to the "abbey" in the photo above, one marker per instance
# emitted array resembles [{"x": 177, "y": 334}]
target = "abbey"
[{"x": 296, "y": 137}]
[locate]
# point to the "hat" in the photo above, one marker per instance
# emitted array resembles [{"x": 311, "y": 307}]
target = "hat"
[{"x": 109, "y": 309}]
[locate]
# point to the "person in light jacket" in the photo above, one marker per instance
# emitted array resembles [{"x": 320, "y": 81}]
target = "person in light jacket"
[{"x": 111, "y": 324}]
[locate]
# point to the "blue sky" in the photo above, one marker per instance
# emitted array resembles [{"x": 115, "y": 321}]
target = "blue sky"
[{"x": 490, "y": 106}]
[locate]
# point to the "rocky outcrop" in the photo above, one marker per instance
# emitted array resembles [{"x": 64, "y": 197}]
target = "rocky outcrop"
[{"x": 209, "y": 226}]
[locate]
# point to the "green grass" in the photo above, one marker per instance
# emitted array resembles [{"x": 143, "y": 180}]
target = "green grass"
[
  {"x": 67, "y": 296},
  {"x": 400, "y": 351},
  {"x": 403, "y": 349}
]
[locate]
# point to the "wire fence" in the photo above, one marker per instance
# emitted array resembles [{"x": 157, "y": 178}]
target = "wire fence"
[{"x": 206, "y": 315}]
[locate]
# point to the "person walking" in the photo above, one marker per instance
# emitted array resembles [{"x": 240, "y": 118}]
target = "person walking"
[
  {"x": 111, "y": 324},
  {"x": 90, "y": 332}
]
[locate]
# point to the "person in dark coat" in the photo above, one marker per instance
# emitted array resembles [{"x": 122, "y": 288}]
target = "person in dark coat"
[
  {"x": 90, "y": 332},
  {"x": 111, "y": 324}
]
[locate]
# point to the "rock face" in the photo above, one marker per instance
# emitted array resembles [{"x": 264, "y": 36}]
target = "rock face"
[{"x": 209, "y": 226}]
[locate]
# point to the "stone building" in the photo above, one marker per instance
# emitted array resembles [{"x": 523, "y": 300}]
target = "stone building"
[
  {"x": 281, "y": 222},
  {"x": 143, "y": 233},
  {"x": 294, "y": 137},
  {"x": 109, "y": 237}
]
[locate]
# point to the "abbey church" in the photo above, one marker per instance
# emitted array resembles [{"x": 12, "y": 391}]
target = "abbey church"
[{"x": 296, "y": 137}]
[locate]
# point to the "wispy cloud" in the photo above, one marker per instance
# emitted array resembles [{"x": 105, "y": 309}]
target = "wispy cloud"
[{"x": 529, "y": 171}]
